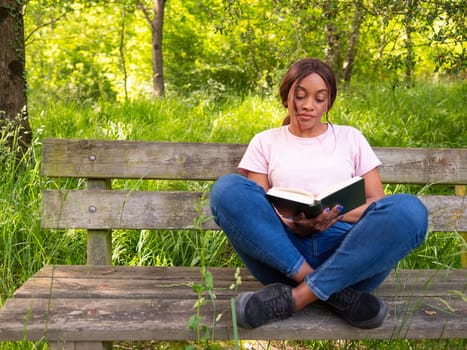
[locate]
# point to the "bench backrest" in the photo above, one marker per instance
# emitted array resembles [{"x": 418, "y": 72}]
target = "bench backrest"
[{"x": 100, "y": 208}]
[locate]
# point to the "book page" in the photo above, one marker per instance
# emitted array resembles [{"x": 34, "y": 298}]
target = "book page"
[{"x": 293, "y": 194}]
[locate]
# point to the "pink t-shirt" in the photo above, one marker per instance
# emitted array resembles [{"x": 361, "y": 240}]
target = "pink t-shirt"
[{"x": 313, "y": 164}]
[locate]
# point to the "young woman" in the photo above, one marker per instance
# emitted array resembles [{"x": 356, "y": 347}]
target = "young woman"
[{"x": 339, "y": 259}]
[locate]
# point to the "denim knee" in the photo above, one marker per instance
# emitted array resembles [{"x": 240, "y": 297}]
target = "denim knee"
[
  {"x": 222, "y": 184},
  {"x": 232, "y": 193},
  {"x": 253, "y": 228},
  {"x": 409, "y": 211},
  {"x": 389, "y": 230},
  {"x": 218, "y": 192},
  {"x": 226, "y": 188}
]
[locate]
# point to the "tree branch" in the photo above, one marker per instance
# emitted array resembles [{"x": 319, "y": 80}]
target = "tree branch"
[
  {"x": 55, "y": 20},
  {"x": 146, "y": 13}
]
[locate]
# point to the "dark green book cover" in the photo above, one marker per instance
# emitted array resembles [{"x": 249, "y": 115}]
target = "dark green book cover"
[{"x": 291, "y": 202}]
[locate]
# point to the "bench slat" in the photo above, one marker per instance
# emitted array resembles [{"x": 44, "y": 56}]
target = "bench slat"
[
  {"x": 186, "y": 273},
  {"x": 207, "y": 161},
  {"x": 142, "y": 316},
  {"x": 101, "y": 209},
  {"x": 148, "y": 319},
  {"x": 138, "y": 159},
  {"x": 176, "y": 282}
]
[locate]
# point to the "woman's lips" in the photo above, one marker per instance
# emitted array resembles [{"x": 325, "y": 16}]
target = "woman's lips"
[{"x": 305, "y": 116}]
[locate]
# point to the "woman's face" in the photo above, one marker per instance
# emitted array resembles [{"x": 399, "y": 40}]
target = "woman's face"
[{"x": 307, "y": 103}]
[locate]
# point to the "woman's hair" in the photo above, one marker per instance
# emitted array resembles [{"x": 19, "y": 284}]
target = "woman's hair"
[{"x": 301, "y": 69}]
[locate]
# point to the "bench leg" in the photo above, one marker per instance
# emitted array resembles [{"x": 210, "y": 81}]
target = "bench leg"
[{"x": 80, "y": 345}]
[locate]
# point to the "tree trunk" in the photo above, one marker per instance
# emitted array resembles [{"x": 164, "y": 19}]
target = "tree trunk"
[
  {"x": 411, "y": 7},
  {"x": 383, "y": 19},
  {"x": 122, "y": 52},
  {"x": 353, "y": 41},
  {"x": 333, "y": 51},
  {"x": 14, "y": 123},
  {"x": 157, "y": 64}
]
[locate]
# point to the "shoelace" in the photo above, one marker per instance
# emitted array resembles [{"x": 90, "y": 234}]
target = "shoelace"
[
  {"x": 279, "y": 307},
  {"x": 344, "y": 299}
]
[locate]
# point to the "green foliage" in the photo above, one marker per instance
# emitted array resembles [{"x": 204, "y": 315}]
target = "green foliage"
[
  {"x": 75, "y": 62},
  {"x": 88, "y": 51},
  {"x": 24, "y": 246},
  {"x": 428, "y": 115}
]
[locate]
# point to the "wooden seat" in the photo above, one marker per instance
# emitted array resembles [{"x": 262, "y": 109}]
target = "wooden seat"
[
  {"x": 88, "y": 307},
  {"x": 99, "y": 303}
]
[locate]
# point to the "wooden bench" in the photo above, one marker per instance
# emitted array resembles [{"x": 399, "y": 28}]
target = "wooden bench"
[{"x": 88, "y": 307}]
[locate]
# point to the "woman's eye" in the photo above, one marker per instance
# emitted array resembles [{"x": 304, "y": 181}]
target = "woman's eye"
[{"x": 321, "y": 99}]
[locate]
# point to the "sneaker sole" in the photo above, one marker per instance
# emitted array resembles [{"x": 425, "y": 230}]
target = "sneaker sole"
[{"x": 375, "y": 322}]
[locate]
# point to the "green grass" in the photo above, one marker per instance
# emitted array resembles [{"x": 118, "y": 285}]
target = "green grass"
[{"x": 428, "y": 115}]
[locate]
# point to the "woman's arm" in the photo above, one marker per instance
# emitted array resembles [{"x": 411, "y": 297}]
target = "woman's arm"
[
  {"x": 260, "y": 179},
  {"x": 373, "y": 191}
]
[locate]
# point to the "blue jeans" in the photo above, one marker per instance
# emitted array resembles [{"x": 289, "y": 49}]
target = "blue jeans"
[{"x": 360, "y": 255}]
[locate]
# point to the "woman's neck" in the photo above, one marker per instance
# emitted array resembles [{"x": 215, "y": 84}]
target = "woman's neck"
[{"x": 316, "y": 131}]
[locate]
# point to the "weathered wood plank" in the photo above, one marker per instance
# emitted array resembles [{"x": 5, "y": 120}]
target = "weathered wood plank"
[
  {"x": 148, "y": 319},
  {"x": 80, "y": 345},
  {"x": 176, "y": 283},
  {"x": 120, "y": 209},
  {"x": 100, "y": 209},
  {"x": 186, "y": 273},
  {"x": 171, "y": 274},
  {"x": 99, "y": 242},
  {"x": 208, "y": 161},
  {"x": 124, "y": 289},
  {"x": 138, "y": 159},
  {"x": 423, "y": 165},
  {"x": 101, "y": 303}
]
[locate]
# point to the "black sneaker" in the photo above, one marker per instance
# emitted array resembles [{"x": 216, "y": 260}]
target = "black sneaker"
[
  {"x": 273, "y": 302},
  {"x": 360, "y": 309}
]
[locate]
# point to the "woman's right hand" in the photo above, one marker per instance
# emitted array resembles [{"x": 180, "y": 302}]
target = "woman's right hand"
[{"x": 302, "y": 226}]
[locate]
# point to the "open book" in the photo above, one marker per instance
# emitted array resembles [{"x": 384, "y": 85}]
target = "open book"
[{"x": 290, "y": 201}]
